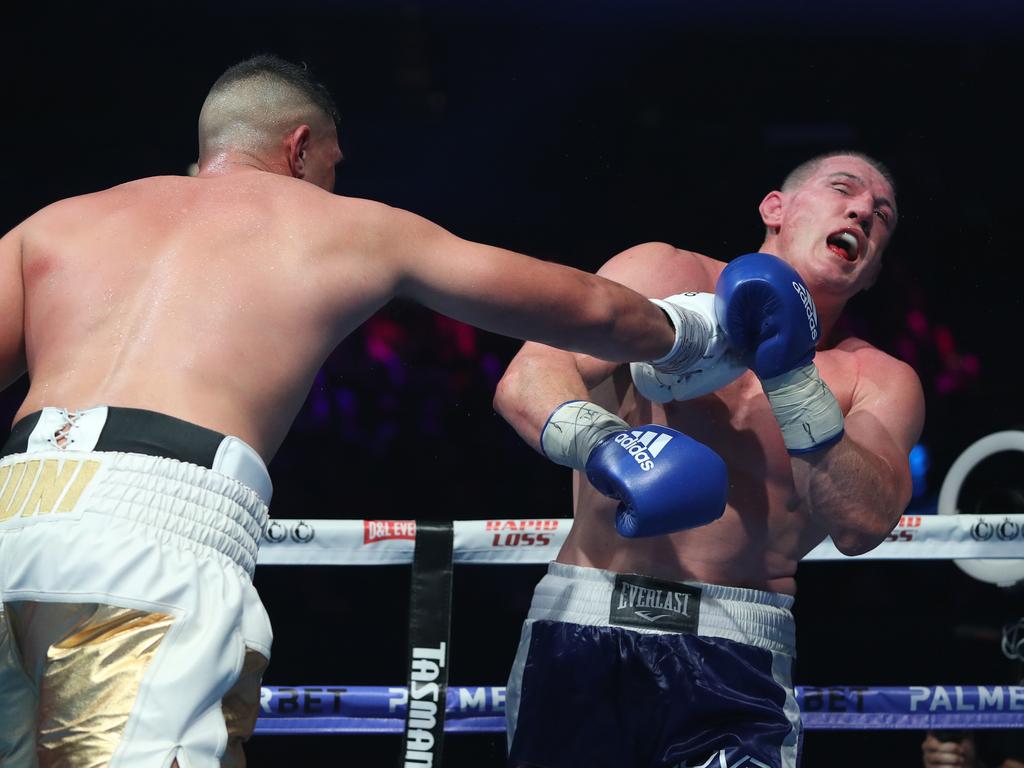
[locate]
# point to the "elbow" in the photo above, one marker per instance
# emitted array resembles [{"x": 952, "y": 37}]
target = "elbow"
[
  {"x": 860, "y": 539},
  {"x": 504, "y": 396},
  {"x": 853, "y": 543},
  {"x": 509, "y": 395}
]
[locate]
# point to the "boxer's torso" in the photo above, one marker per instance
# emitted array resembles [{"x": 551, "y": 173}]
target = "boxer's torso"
[
  {"x": 766, "y": 527},
  {"x": 213, "y": 299}
]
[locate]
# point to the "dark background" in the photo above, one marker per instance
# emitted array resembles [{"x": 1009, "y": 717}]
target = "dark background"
[{"x": 571, "y": 131}]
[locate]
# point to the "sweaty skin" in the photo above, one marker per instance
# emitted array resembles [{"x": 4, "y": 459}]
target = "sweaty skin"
[
  {"x": 779, "y": 507},
  {"x": 215, "y": 299}
]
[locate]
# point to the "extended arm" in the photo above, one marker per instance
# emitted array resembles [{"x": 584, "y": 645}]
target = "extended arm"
[
  {"x": 12, "y": 309},
  {"x": 522, "y": 297},
  {"x": 858, "y": 487}
]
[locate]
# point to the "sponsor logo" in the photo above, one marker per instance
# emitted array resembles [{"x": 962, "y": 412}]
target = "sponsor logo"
[
  {"x": 382, "y": 530},
  {"x": 1007, "y": 530},
  {"x": 639, "y": 601},
  {"x": 426, "y": 695},
  {"x": 831, "y": 699},
  {"x": 33, "y": 488},
  {"x": 967, "y": 698},
  {"x": 904, "y": 530},
  {"x": 306, "y": 699},
  {"x": 521, "y": 533},
  {"x": 301, "y": 532},
  {"x": 812, "y": 313},
  {"x": 522, "y": 525},
  {"x": 982, "y": 531},
  {"x": 644, "y": 447}
]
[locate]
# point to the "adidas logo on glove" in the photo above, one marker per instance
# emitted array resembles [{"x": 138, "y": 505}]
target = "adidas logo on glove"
[{"x": 644, "y": 447}]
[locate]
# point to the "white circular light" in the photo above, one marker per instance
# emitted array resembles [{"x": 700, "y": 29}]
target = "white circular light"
[{"x": 1003, "y": 573}]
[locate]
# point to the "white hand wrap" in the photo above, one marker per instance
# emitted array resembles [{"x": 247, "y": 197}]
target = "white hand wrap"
[
  {"x": 694, "y": 328},
  {"x": 573, "y": 430},
  {"x": 808, "y": 414},
  {"x": 715, "y": 367}
]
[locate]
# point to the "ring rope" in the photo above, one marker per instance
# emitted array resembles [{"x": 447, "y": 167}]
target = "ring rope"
[
  {"x": 343, "y": 709},
  {"x": 536, "y": 541}
]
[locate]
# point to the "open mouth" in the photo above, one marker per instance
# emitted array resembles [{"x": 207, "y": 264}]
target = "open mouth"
[{"x": 844, "y": 243}]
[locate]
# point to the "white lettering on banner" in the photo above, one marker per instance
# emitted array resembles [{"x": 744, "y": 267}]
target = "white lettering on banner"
[
  {"x": 265, "y": 696},
  {"x": 998, "y": 698},
  {"x": 382, "y": 530},
  {"x": 986, "y": 699},
  {"x": 476, "y": 699},
  {"x": 397, "y": 697},
  {"x": 472, "y": 698}
]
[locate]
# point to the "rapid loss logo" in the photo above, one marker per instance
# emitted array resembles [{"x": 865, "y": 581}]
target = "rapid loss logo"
[
  {"x": 812, "y": 313},
  {"x": 638, "y": 601},
  {"x": 382, "y": 530},
  {"x": 521, "y": 533},
  {"x": 644, "y": 447},
  {"x": 906, "y": 528},
  {"x": 301, "y": 532}
]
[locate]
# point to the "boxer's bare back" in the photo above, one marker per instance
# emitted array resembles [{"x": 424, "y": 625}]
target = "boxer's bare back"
[{"x": 215, "y": 299}]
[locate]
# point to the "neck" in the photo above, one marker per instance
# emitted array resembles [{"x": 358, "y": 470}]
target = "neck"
[{"x": 227, "y": 162}]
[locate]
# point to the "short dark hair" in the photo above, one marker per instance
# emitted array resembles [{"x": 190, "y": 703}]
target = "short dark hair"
[
  {"x": 298, "y": 76},
  {"x": 806, "y": 169}
]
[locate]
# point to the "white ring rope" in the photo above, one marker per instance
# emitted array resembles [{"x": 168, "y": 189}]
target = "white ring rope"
[{"x": 537, "y": 541}]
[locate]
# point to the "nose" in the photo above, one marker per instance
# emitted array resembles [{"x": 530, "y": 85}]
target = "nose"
[{"x": 862, "y": 211}]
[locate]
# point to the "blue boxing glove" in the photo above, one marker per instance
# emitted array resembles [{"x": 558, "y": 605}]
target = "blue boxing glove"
[
  {"x": 768, "y": 316},
  {"x": 664, "y": 481}
]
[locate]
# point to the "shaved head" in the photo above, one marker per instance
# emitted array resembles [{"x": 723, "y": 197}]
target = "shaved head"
[{"x": 257, "y": 102}]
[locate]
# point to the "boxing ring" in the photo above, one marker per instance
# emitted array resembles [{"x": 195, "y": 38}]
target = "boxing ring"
[{"x": 989, "y": 546}]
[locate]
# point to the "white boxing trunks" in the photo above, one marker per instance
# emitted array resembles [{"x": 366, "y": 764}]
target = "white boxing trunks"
[{"x": 130, "y": 631}]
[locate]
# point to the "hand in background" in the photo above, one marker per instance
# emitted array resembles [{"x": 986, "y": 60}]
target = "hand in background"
[{"x": 941, "y": 754}]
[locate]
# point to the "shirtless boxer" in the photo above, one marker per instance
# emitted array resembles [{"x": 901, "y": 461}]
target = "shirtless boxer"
[
  {"x": 676, "y": 650},
  {"x": 171, "y": 328}
]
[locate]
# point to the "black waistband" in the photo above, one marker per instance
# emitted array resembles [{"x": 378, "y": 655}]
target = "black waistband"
[{"x": 133, "y": 430}]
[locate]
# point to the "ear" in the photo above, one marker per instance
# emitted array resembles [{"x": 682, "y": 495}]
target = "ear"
[
  {"x": 297, "y": 148},
  {"x": 771, "y": 210}
]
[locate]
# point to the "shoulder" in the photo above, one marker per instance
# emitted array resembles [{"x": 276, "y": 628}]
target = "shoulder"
[
  {"x": 660, "y": 269},
  {"x": 881, "y": 378},
  {"x": 873, "y": 362}
]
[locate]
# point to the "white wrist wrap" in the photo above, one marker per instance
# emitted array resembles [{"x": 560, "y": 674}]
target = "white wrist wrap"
[
  {"x": 573, "y": 429},
  {"x": 693, "y": 335},
  {"x": 808, "y": 413},
  {"x": 717, "y": 366}
]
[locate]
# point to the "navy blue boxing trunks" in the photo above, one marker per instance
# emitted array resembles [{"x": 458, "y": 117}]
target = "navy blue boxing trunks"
[{"x": 624, "y": 671}]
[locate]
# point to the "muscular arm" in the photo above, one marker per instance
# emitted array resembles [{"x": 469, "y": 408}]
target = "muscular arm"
[
  {"x": 12, "y": 307},
  {"x": 522, "y": 297},
  {"x": 858, "y": 488},
  {"x": 540, "y": 378}
]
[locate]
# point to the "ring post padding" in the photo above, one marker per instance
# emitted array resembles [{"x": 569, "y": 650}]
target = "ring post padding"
[
  {"x": 430, "y": 607},
  {"x": 1003, "y": 573}
]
